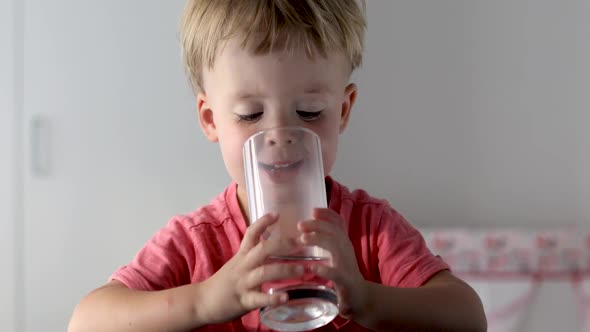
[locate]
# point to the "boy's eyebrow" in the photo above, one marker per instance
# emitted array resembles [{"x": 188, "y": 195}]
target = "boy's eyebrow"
[
  {"x": 315, "y": 90},
  {"x": 318, "y": 88},
  {"x": 246, "y": 95}
]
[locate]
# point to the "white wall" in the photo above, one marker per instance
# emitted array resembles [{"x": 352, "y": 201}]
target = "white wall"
[
  {"x": 7, "y": 206},
  {"x": 475, "y": 112}
]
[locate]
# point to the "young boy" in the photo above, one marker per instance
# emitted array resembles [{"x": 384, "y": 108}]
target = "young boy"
[{"x": 258, "y": 64}]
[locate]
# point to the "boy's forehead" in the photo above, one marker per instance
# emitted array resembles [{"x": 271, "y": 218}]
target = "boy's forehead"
[
  {"x": 241, "y": 73},
  {"x": 246, "y": 76},
  {"x": 247, "y": 92},
  {"x": 235, "y": 57}
]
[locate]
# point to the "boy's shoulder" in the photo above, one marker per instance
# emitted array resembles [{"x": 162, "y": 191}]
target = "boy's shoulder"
[
  {"x": 357, "y": 196},
  {"x": 361, "y": 206},
  {"x": 215, "y": 214}
]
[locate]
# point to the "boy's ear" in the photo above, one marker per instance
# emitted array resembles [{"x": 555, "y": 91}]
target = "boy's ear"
[
  {"x": 206, "y": 118},
  {"x": 349, "y": 98}
]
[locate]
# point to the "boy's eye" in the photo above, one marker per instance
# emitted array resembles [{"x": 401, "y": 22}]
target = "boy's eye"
[
  {"x": 308, "y": 116},
  {"x": 249, "y": 117}
]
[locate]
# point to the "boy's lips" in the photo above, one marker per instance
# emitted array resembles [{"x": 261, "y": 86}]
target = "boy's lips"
[
  {"x": 280, "y": 164},
  {"x": 281, "y": 171}
]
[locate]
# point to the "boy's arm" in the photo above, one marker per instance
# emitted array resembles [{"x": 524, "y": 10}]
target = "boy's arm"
[
  {"x": 228, "y": 294},
  {"x": 444, "y": 303},
  {"x": 114, "y": 307}
]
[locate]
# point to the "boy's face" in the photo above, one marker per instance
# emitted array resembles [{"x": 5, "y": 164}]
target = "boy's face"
[{"x": 246, "y": 93}]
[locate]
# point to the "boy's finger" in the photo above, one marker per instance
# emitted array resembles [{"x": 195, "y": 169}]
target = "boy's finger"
[
  {"x": 318, "y": 226},
  {"x": 328, "y": 272},
  {"x": 323, "y": 240},
  {"x": 328, "y": 215},
  {"x": 261, "y": 251},
  {"x": 270, "y": 272},
  {"x": 255, "y": 300},
  {"x": 256, "y": 229}
]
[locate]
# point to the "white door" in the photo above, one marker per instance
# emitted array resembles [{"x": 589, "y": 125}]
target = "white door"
[
  {"x": 7, "y": 169},
  {"x": 114, "y": 145}
]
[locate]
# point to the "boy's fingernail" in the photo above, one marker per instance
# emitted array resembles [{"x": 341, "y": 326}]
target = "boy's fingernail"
[
  {"x": 284, "y": 298},
  {"x": 301, "y": 239}
]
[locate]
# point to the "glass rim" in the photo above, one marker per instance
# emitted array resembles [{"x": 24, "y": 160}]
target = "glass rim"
[{"x": 298, "y": 128}]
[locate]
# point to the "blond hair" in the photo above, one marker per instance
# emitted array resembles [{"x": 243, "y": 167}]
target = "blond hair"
[{"x": 320, "y": 26}]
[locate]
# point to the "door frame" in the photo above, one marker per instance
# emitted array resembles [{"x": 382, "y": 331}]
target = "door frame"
[{"x": 11, "y": 170}]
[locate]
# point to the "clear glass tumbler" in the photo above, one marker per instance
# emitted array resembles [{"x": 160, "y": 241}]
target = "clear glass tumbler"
[{"x": 284, "y": 174}]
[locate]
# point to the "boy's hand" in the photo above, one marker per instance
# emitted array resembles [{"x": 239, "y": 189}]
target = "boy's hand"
[
  {"x": 234, "y": 290},
  {"x": 327, "y": 231}
]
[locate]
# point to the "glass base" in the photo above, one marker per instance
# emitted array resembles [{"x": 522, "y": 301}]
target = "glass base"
[{"x": 308, "y": 308}]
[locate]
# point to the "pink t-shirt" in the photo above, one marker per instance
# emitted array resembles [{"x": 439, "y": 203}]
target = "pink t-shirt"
[{"x": 193, "y": 247}]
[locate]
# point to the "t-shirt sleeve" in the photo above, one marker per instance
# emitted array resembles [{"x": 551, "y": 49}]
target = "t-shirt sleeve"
[
  {"x": 404, "y": 259},
  {"x": 164, "y": 261}
]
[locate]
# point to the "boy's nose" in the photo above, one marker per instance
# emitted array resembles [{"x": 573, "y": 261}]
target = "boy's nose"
[{"x": 281, "y": 137}]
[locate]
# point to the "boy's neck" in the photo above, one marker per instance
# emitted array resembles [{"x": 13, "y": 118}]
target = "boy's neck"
[{"x": 243, "y": 203}]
